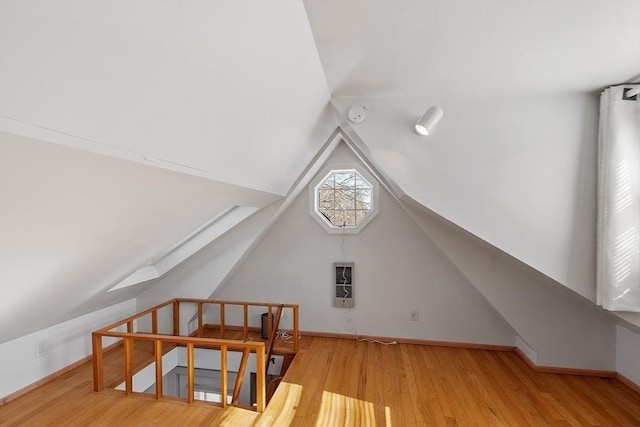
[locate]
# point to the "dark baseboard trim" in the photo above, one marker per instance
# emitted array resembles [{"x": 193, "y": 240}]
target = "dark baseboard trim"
[
  {"x": 627, "y": 382},
  {"x": 16, "y": 394},
  {"x": 413, "y": 341},
  {"x": 564, "y": 371}
]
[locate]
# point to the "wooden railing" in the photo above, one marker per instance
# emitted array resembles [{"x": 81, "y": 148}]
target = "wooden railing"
[{"x": 196, "y": 340}]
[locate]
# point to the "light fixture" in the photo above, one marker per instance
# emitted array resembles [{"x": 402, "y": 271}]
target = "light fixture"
[{"x": 428, "y": 121}]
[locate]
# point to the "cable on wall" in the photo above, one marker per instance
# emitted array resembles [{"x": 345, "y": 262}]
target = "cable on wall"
[{"x": 394, "y": 342}]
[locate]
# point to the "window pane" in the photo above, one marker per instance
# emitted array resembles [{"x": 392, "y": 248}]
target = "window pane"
[
  {"x": 325, "y": 199},
  {"x": 363, "y": 199},
  {"x": 344, "y": 198},
  {"x": 359, "y": 216},
  {"x": 328, "y": 183},
  {"x": 343, "y": 180},
  {"x": 350, "y": 218},
  {"x": 328, "y": 215},
  {"x": 361, "y": 183}
]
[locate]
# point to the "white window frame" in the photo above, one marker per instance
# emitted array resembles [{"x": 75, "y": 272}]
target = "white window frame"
[{"x": 314, "y": 210}]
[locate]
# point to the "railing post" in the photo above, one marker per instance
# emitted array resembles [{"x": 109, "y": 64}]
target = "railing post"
[
  {"x": 269, "y": 321},
  {"x": 200, "y": 325},
  {"x": 240, "y": 375},
  {"x": 223, "y": 377},
  {"x": 176, "y": 318},
  {"x": 154, "y": 322},
  {"x": 221, "y": 320},
  {"x": 261, "y": 378},
  {"x": 296, "y": 328},
  {"x": 272, "y": 334},
  {"x": 128, "y": 365},
  {"x": 158, "y": 351},
  {"x": 98, "y": 368},
  {"x": 245, "y": 329},
  {"x": 130, "y": 327},
  {"x": 190, "y": 373}
]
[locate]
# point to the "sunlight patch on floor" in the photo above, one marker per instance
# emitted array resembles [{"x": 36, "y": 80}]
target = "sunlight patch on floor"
[
  {"x": 282, "y": 407},
  {"x": 337, "y": 410},
  {"x": 234, "y": 417}
]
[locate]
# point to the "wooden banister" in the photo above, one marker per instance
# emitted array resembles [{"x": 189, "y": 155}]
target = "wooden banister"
[
  {"x": 184, "y": 340},
  {"x": 240, "y": 376},
  {"x": 245, "y": 318},
  {"x": 190, "y": 373},
  {"x": 221, "y": 320},
  {"x": 272, "y": 335},
  {"x": 128, "y": 365},
  {"x": 158, "y": 356},
  {"x": 296, "y": 328},
  {"x": 263, "y": 351},
  {"x": 154, "y": 322},
  {"x": 136, "y": 316},
  {"x": 176, "y": 317},
  {"x": 261, "y": 378},
  {"x": 213, "y": 301},
  {"x": 200, "y": 325},
  {"x": 98, "y": 368},
  {"x": 223, "y": 377}
]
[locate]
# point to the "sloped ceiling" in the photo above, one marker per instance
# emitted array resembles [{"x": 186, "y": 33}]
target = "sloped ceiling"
[
  {"x": 233, "y": 91},
  {"x": 73, "y": 223},
  {"x": 475, "y": 48}
]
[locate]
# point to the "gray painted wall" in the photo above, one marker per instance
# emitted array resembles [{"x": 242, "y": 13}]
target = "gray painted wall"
[{"x": 396, "y": 270}]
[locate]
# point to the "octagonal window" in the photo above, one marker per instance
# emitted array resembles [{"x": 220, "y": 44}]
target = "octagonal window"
[{"x": 344, "y": 200}]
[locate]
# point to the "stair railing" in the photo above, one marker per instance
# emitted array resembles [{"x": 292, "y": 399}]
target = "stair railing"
[{"x": 263, "y": 352}]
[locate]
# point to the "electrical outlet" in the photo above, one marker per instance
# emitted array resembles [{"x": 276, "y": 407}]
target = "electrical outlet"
[
  {"x": 41, "y": 348},
  {"x": 414, "y": 315}
]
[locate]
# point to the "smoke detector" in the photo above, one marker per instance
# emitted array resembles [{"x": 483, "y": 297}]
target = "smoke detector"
[{"x": 356, "y": 113}]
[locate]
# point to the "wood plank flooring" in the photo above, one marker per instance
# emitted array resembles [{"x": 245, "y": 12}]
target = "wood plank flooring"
[
  {"x": 69, "y": 400},
  {"x": 337, "y": 382},
  {"x": 347, "y": 383}
]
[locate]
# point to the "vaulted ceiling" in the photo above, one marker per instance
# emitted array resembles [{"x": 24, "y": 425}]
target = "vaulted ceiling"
[
  {"x": 474, "y": 48},
  {"x": 126, "y": 126}
]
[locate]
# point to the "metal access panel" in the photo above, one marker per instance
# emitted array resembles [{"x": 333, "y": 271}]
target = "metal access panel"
[{"x": 343, "y": 286}]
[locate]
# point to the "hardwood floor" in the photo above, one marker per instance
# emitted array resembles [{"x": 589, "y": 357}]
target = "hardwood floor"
[
  {"x": 337, "y": 382},
  {"x": 346, "y": 383}
]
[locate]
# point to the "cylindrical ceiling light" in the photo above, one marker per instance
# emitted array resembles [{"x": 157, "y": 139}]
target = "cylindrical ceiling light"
[{"x": 428, "y": 121}]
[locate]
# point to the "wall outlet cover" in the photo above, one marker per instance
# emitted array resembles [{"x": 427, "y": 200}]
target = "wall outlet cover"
[{"x": 41, "y": 348}]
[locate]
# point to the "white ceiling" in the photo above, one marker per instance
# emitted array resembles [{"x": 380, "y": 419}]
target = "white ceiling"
[
  {"x": 230, "y": 90},
  {"x": 73, "y": 223},
  {"x": 477, "y": 48}
]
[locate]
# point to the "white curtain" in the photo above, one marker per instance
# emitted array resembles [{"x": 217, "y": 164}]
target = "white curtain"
[{"x": 618, "y": 258}]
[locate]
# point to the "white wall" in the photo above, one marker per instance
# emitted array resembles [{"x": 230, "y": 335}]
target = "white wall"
[
  {"x": 74, "y": 223},
  {"x": 201, "y": 274},
  {"x": 66, "y": 343},
  {"x": 560, "y": 327},
  {"x": 396, "y": 269},
  {"x": 628, "y": 353},
  {"x": 519, "y": 172}
]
